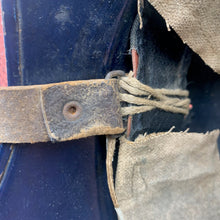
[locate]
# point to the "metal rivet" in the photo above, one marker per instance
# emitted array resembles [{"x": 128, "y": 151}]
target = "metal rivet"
[{"x": 72, "y": 110}]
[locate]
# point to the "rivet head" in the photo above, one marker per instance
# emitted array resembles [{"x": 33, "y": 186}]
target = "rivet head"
[{"x": 72, "y": 110}]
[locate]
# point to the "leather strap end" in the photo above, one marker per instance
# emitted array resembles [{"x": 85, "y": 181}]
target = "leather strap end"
[{"x": 59, "y": 112}]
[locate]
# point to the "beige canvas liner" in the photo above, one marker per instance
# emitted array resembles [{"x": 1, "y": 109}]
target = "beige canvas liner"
[
  {"x": 197, "y": 22},
  {"x": 169, "y": 176}
]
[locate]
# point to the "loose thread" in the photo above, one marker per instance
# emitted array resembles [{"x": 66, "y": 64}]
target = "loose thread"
[{"x": 140, "y": 5}]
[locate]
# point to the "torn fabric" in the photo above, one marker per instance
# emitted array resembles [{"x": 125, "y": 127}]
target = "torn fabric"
[
  {"x": 169, "y": 176},
  {"x": 197, "y": 23}
]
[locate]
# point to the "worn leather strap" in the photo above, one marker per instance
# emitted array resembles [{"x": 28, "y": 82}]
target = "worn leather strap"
[{"x": 59, "y": 112}]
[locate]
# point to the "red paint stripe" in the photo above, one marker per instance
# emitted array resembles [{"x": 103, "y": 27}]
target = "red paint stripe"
[{"x": 3, "y": 68}]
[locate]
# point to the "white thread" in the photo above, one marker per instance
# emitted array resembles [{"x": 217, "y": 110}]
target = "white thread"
[{"x": 144, "y": 98}]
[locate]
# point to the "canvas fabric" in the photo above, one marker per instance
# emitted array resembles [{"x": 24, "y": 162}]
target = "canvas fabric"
[
  {"x": 169, "y": 176},
  {"x": 197, "y": 23}
]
